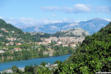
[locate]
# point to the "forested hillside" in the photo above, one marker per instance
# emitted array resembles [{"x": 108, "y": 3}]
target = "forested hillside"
[
  {"x": 94, "y": 55},
  {"x": 11, "y": 33}
]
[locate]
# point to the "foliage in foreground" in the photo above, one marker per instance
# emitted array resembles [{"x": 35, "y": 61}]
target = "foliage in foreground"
[{"x": 94, "y": 55}]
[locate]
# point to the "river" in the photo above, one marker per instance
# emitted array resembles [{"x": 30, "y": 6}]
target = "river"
[{"x": 36, "y": 61}]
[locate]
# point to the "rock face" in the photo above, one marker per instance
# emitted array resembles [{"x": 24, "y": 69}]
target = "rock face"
[
  {"x": 72, "y": 33},
  {"x": 75, "y": 32}
]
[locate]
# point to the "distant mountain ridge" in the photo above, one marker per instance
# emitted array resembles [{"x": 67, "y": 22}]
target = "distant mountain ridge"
[
  {"x": 91, "y": 26},
  {"x": 47, "y": 28}
]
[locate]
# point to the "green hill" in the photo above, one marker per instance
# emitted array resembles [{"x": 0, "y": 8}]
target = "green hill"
[
  {"x": 11, "y": 33},
  {"x": 94, "y": 55}
]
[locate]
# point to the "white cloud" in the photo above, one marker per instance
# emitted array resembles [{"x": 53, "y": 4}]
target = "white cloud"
[
  {"x": 51, "y": 8},
  {"x": 22, "y": 22},
  {"x": 104, "y": 9},
  {"x": 108, "y": 19},
  {"x": 0, "y": 17},
  {"x": 73, "y": 24},
  {"x": 79, "y": 8},
  {"x": 53, "y": 15},
  {"x": 53, "y": 27},
  {"x": 31, "y": 22},
  {"x": 82, "y": 7},
  {"x": 47, "y": 21}
]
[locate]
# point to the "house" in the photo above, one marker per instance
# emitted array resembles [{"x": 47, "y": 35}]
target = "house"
[
  {"x": 10, "y": 43},
  {"x": 2, "y": 51},
  {"x": 18, "y": 44},
  {"x": 7, "y": 71},
  {"x": 3, "y": 29},
  {"x": 11, "y": 39},
  {"x": 1, "y": 35},
  {"x": 51, "y": 66},
  {"x": 17, "y": 49}
]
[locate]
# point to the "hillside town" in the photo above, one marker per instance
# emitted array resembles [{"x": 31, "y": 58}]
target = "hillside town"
[{"x": 65, "y": 41}]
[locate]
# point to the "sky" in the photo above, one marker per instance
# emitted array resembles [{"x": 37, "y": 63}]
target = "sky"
[{"x": 35, "y": 12}]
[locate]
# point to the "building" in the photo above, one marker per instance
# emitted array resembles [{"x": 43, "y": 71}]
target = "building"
[{"x": 2, "y": 51}]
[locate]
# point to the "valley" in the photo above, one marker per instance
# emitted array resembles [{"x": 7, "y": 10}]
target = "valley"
[
  {"x": 92, "y": 56},
  {"x": 18, "y": 45},
  {"x": 55, "y": 37}
]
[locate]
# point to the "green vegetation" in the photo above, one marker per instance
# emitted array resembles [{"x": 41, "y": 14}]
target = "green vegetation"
[
  {"x": 9, "y": 31},
  {"x": 93, "y": 55}
]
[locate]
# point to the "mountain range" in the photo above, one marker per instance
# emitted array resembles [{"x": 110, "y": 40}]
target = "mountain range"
[{"x": 90, "y": 26}]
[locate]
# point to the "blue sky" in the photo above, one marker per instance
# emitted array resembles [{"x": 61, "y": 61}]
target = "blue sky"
[{"x": 50, "y": 11}]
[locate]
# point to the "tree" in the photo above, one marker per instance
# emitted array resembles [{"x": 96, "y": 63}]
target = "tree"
[
  {"x": 43, "y": 63},
  {"x": 15, "y": 69}
]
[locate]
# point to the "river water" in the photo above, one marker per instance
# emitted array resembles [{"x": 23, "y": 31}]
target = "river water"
[{"x": 36, "y": 61}]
